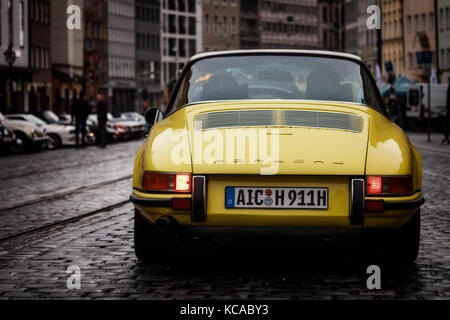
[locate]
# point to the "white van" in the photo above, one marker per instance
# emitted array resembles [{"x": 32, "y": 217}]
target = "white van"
[{"x": 438, "y": 100}]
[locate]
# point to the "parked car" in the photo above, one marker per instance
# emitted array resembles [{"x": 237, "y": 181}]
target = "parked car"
[
  {"x": 140, "y": 119},
  {"x": 113, "y": 134},
  {"x": 133, "y": 129},
  {"x": 315, "y": 150},
  {"x": 64, "y": 119},
  {"x": 59, "y": 135},
  {"x": 29, "y": 137},
  {"x": 6, "y": 139},
  {"x": 128, "y": 129}
]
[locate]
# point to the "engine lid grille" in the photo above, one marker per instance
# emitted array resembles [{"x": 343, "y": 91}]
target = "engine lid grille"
[{"x": 279, "y": 118}]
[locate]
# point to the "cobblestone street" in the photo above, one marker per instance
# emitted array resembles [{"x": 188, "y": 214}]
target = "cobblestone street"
[{"x": 70, "y": 207}]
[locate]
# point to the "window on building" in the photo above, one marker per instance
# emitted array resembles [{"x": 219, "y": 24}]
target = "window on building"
[
  {"x": 172, "y": 47},
  {"x": 233, "y": 26},
  {"x": 181, "y": 6},
  {"x": 424, "y": 22},
  {"x": 47, "y": 59},
  {"x": 191, "y": 25},
  {"x": 206, "y": 24},
  {"x": 409, "y": 24},
  {"x": 224, "y": 26},
  {"x": 171, "y": 4},
  {"x": 216, "y": 22},
  {"x": 447, "y": 18},
  {"x": 138, "y": 13},
  {"x": 442, "y": 59},
  {"x": 182, "y": 24},
  {"x": 324, "y": 14},
  {"x": 411, "y": 60},
  {"x": 192, "y": 47},
  {"x": 47, "y": 13},
  {"x": 441, "y": 19},
  {"x": 182, "y": 47},
  {"x": 416, "y": 23},
  {"x": 172, "y": 26},
  {"x": 431, "y": 21},
  {"x": 191, "y": 6}
]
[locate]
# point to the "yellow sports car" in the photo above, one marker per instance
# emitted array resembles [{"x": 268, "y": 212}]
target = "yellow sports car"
[{"x": 263, "y": 142}]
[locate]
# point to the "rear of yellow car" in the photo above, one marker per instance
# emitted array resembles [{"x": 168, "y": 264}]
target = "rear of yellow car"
[
  {"x": 285, "y": 180},
  {"x": 275, "y": 167}
]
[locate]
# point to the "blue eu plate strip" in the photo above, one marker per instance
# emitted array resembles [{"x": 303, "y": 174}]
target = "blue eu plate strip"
[{"x": 229, "y": 197}]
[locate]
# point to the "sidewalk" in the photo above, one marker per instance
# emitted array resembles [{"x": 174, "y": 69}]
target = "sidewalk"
[{"x": 420, "y": 140}]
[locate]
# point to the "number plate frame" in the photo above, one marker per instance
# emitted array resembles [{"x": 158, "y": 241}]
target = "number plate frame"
[{"x": 230, "y": 193}]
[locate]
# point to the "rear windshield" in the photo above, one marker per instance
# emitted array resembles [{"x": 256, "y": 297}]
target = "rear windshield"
[{"x": 275, "y": 77}]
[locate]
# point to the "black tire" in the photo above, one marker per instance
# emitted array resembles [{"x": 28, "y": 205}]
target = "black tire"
[
  {"x": 408, "y": 240},
  {"x": 22, "y": 143},
  {"x": 150, "y": 245},
  {"x": 54, "y": 142},
  {"x": 398, "y": 246}
]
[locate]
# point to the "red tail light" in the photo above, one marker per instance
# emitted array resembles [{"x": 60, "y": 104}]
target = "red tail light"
[
  {"x": 374, "y": 185},
  {"x": 182, "y": 182},
  {"x": 390, "y": 185},
  {"x": 398, "y": 185},
  {"x": 167, "y": 182}
]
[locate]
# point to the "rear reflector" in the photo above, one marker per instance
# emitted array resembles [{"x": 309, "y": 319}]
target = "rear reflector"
[
  {"x": 181, "y": 203},
  {"x": 374, "y": 205}
]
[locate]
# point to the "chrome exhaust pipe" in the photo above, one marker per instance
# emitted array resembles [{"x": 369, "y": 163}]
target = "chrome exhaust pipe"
[{"x": 165, "y": 223}]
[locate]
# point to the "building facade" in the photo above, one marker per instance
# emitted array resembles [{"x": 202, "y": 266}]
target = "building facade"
[
  {"x": 181, "y": 35},
  {"x": 443, "y": 39},
  {"x": 148, "y": 54},
  {"x": 66, "y": 56},
  {"x": 121, "y": 55},
  {"x": 359, "y": 39},
  {"x": 392, "y": 38},
  {"x": 419, "y": 35},
  {"x": 96, "y": 48},
  {"x": 331, "y": 22},
  {"x": 39, "y": 55},
  {"x": 15, "y": 74},
  {"x": 289, "y": 24},
  {"x": 249, "y": 28},
  {"x": 221, "y": 25}
]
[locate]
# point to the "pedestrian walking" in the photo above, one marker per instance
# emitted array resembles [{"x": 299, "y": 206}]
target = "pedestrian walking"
[
  {"x": 446, "y": 119},
  {"x": 393, "y": 105},
  {"x": 102, "y": 117},
  {"x": 80, "y": 112}
]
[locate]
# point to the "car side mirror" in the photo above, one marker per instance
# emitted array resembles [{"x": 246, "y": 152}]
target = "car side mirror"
[{"x": 153, "y": 115}]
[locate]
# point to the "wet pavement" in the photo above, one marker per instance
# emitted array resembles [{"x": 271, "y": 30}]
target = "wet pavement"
[{"x": 39, "y": 190}]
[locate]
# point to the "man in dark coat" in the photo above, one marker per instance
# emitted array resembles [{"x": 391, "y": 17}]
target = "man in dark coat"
[
  {"x": 446, "y": 120},
  {"x": 102, "y": 117},
  {"x": 80, "y": 112}
]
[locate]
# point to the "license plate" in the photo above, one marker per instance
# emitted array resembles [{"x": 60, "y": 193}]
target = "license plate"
[
  {"x": 276, "y": 198},
  {"x": 7, "y": 139}
]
